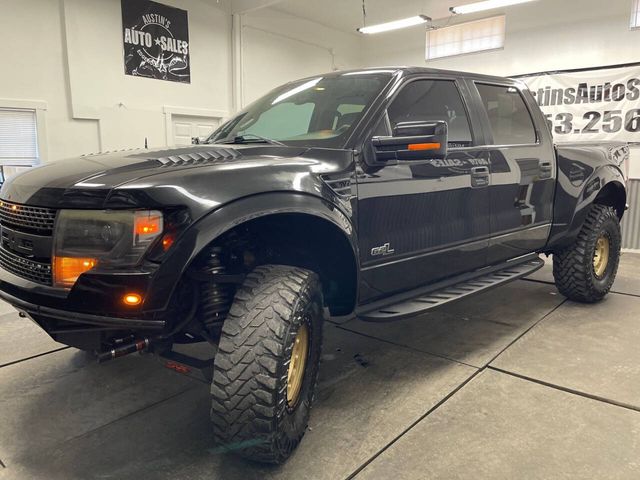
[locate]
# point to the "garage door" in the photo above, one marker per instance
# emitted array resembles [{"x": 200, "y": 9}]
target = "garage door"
[{"x": 185, "y": 127}]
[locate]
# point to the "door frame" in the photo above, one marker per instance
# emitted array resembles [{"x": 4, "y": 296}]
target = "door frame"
[
  {"x": 472, "y": 109},
  {"x": 366, "y": 130}
]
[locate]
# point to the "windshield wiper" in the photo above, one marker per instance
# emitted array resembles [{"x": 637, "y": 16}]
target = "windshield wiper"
[{"x": 249, "y": 137}]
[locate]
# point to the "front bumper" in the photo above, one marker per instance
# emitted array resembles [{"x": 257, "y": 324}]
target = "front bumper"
[
  {"x": 83, "y": 330},
  {"x": 39, "y": 311},
  {"x": 86, "y": 317}
]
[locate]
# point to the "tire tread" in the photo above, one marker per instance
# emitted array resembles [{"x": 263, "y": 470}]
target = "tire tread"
[
  {"x": 246, "y": 376},
  {"x": 572, "y": 265}
]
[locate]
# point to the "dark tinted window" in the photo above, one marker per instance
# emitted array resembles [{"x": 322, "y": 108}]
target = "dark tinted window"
[
  {"x": 510, "y": 120},
  {"x": 320, "y": 111},
  {"x": 432, "y": 100}
]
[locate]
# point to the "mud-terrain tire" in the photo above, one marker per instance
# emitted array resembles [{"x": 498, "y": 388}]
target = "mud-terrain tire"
[
  {"x": 256, "y": 411},
  {"x": 585, "y": 271}
]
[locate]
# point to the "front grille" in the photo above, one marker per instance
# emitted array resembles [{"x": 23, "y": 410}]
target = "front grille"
[
  {"x": 29, "y": 224},
  {"x": 25, "y": 268},
  {"x": 37, "y": 220}
]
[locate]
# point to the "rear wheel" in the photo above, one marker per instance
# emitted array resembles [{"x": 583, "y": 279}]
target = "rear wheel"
[
  {"x": 585, "y": 271},
  {"x": 266, "y": 367}
]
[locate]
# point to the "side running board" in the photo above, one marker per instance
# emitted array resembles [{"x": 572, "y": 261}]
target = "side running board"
[{"x": 440, "y": 294}]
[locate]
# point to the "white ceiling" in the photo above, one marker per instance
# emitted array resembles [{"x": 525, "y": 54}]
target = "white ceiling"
[{"x": 346, "y": 15}]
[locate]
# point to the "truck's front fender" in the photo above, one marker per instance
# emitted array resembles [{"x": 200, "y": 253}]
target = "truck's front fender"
[{"x": 202, "y": 233}]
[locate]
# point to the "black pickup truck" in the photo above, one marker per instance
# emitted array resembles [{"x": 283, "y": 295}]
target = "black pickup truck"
[{"x": 380, "y": 193}]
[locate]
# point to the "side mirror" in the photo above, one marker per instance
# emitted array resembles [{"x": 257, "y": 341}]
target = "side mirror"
[{"x": 413, "y": 141}]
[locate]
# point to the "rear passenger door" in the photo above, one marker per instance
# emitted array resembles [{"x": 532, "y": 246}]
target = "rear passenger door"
[
  {"x": 423, "y": 221},
  {"x": 523, "y": 171}
]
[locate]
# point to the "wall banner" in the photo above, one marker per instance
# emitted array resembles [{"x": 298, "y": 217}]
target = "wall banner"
[
  {"x": 590, "y": 105},
  {"x": 156, "y": 41}
]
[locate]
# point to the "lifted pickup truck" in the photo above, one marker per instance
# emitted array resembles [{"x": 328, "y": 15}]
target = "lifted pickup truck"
[{"x": 380, "y": 193}]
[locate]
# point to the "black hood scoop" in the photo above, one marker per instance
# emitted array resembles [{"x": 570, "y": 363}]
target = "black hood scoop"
[{"x": 201, "y": 157}]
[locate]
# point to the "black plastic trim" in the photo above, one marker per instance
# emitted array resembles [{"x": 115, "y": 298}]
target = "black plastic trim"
[
  {"x": 425, "y": 298},
  {"x": 77, "y": 317}
]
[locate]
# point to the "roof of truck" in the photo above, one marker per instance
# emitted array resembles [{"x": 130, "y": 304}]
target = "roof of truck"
[{"x": 408, "y": 70}]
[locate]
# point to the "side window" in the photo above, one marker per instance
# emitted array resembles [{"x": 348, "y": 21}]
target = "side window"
[
  {"x": 511, "y": 123},
  {"x": 429, "y": 101}
]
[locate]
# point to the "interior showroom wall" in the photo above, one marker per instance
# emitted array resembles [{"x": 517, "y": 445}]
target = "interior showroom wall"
[{"x": 69, "y": 53}]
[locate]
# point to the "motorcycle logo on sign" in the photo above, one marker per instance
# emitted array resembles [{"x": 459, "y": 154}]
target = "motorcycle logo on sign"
[{"x": 156, "y": 41}]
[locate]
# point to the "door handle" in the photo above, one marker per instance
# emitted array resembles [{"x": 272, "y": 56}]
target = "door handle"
[
  {"x": 545, "y": 170},
  {"x": 479, "y": 177}
]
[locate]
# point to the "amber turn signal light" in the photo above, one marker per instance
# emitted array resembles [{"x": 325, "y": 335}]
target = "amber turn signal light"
[
  {"x": 148, "y": 225},
  {"x": 66, "y": 270},
  {"x": 132, "y": 299},
  {"x": 167, "y": 241},
  {"x": 424, "y": 146}
]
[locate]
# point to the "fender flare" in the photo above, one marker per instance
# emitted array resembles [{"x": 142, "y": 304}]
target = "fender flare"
[
  {"x": 564, "y": 234},
  {"x": 228, "y": 216}
]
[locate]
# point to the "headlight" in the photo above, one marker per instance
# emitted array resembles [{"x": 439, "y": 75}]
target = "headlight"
[{"x": 86, "y": 239}]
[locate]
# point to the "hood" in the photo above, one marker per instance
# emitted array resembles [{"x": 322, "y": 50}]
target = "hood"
[{"x": 86, "y": 181}]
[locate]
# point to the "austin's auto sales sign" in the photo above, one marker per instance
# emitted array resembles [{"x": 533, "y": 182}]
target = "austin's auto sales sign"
[
  {"x": 591, "y": 105},
  {"x": 156, "y": 41}
]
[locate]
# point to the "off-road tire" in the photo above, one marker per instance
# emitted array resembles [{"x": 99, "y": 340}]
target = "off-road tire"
[
  {"x": 573, "y": 268},
  {"x": 249, "y": 408}
]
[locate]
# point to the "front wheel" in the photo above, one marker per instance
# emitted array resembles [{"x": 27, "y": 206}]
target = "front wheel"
[
  {"x": 266, "y": 367},
  {"x": 585, "y": 271}
]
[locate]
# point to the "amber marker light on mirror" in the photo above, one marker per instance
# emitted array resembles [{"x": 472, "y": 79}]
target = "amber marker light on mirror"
[
  {"x": 132, "y": 299},
  {"x": 66, "y": 270},
  {"x": 424, "y": 146}
]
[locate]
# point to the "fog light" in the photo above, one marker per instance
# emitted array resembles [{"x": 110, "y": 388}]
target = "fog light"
[{"x": 132, "y": 299}]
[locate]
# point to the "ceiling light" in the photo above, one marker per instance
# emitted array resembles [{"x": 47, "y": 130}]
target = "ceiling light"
[
  {"x": 396, "y": 24},
  {"x": 486, "y": 5}
]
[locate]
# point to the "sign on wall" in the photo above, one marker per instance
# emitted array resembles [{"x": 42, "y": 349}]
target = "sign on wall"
[
  {"x": 156, "y": 41},
  {"x": 590, "y": 105}
]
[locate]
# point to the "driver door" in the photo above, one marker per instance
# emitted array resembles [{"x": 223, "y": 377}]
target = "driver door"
[{"x": 423, "y": 221}]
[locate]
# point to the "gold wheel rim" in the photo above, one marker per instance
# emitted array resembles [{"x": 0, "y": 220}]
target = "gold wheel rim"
[
  {"x": 601, "y": 255},
  {"x": 297, "y": 364}
]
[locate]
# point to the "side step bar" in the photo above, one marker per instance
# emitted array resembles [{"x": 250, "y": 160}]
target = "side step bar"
[{"x": 440, "y": 294}]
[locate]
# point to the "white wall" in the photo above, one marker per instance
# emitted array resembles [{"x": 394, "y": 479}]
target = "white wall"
[
  {"x": 541, "y": 36},
  {"x": 67, "y": 55},
  {"x": 278, "y": 47}
]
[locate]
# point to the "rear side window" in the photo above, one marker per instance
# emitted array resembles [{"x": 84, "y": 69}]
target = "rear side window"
[
  {"x": 429, "y": 101},
  {"x": 511, "y": 123}
]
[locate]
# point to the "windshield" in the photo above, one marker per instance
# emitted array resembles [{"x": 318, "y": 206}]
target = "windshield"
[{"x": 319, "y": 111}]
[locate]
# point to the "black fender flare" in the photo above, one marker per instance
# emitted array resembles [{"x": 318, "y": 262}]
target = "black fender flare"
[
  {"x": 226, "y": 217},
  {"x": 565, "y": 230}
]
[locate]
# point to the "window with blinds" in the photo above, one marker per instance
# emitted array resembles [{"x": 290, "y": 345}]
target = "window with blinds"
[
  {"x": 477, "y": 36},
  {"x": 635, "y": 14},
  {"x": 18, "y": 137}
]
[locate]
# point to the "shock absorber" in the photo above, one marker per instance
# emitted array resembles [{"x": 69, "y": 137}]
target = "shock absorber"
[{"x": 215, "y": 297}]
